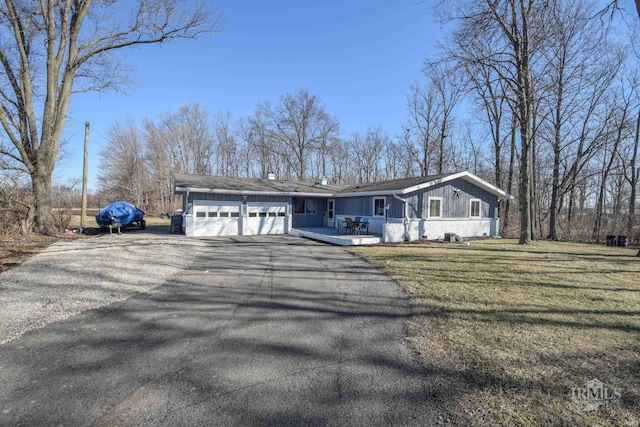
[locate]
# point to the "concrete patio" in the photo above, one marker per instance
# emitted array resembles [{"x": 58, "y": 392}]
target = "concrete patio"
[{"x": 331, "y": 235}]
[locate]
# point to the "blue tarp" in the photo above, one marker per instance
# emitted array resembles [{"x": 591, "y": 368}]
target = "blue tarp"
[{"x": 123, "y": 212}]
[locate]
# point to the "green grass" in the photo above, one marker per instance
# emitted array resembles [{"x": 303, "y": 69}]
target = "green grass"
[{"x": 517, "y": 327}]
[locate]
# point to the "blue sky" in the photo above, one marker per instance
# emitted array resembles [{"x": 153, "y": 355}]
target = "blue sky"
[{"x": 358, "y": 57}]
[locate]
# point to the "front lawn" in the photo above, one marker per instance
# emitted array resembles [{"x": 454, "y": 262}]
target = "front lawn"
[{"x": 517, "y": 328}]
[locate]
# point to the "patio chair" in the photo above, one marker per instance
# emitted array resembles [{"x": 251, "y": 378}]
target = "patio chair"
[
  {"x": 349, "y": 225},
  {"x": 364, "y": 226},
  {"x": 356, "y": 223}
]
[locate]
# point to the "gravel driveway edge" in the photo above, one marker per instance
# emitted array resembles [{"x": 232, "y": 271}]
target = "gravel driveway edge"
[{"x": 73, "y": 276}]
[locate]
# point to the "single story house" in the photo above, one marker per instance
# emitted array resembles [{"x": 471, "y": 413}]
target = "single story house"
[{"x": 400, "y": 209}]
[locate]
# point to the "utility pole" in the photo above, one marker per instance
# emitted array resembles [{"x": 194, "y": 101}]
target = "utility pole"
[{"x": 83, "y": 207}]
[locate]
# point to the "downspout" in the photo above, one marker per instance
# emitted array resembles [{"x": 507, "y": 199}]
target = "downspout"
[
  {"x": 405, "y": 216},
  {"x": 184, "y": 213}
]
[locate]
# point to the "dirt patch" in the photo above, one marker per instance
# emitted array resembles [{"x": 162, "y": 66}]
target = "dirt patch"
[{"x": 15, "y": 251}]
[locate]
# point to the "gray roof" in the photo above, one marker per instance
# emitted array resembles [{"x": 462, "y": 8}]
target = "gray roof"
[
  {"x": 228, "y": 185},
  {"x": 251, "y": 185},
  {"x": 392, "y": 185}
]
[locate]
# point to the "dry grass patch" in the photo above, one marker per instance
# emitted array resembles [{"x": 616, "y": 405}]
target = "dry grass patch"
[
  {"x": 517, "y": 329},
  {"x": 90, "y": 221},
  {"x": 14, "y": 251}
]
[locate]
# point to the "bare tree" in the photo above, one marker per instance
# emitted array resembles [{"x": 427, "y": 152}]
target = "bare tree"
[
  {"x": 514, "y": 29},
  {"x": 633, "y": 177},
  {"x": 16, "y": 211},
  {"x": 296, "y": 127},
  {"x": 490, "y": 95},
  {"x": 180, "y": 141},
  {"x": 579, "y": 67},
  {"x": 396, "y": 163},
  {"x": 367, "y": 153},
  {"x": 447, "y": 82},
  {"x": 339, "y": 160},
  {"x": 421, "y": 135},
  {"x": 53, "y": 48},
  {"x": 123, "y": 171},
  {"x": 327, "y": 132},
  {"x": 610, "y": 155},
  {"x": 226, "y": 148},
  {"x": 615, "y": 5},
  {"x": 259, "y": 144}
]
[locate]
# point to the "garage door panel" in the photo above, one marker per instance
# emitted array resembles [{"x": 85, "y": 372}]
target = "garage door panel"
[
  {"x": 216, "y": 220},
  {"x": 266, "y": 219}
]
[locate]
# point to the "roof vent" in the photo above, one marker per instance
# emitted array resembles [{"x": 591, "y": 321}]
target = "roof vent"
[
  {"x": 323, "y": 181},
  {"x": 270, "y": 175}
]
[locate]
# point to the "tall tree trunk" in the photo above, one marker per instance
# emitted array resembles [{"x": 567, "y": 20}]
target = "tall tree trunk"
[
  {"x": 635, "y": 172},
  {"x": 572, "y": 195},
  {"x": 535, "y": 203},
  {"x": 597, "y": 222},
  {"x": 512, "y": 161},
  {"x": 41, "y": 185},
  {"x": 557, "y": 141},
  {"x": 555, "y": 194},
  {"x": 516, "y": 29},
  {"x": 525, "y": 188},
  {"x": 441, "y": 157}
]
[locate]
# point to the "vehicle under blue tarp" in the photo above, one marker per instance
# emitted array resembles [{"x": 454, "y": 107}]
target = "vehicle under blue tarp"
[{"x": 123, "y": 212}]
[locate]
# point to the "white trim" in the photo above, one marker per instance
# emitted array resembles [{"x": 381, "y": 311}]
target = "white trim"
[
  {"x": 467, "y": 176},
  {"x": 429, "y": 199},
  {"x": 368, "y": 193},
  {"x": 384, "y": 200},
  {"x": 331, "y": 222},
  {"x": 471, "y": 208},
  {"x": 253, "y": 193}
]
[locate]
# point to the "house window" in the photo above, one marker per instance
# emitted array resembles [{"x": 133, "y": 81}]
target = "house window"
[
  {"x": 310, "y": 206},
  {"x": 475, "y": 208},
  {"x": 304, "y": 206},
  {"x": 435, "y": 207},
  {"x": 378, "y": 206}
]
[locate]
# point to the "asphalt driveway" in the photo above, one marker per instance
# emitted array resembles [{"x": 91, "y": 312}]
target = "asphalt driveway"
[{"x": 258, "y": 331}]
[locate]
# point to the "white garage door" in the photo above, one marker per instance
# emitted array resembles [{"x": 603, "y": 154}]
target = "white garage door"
[
  {"x": 216, "y": 219},
  {"x": 266, "y": 218}
]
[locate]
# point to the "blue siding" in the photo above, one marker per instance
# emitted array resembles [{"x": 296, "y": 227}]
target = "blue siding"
[
  {"x": 315, "y": 219},
  {"x": 237, "y": 198},
  {"x": 363, "y": 206},
  {"x": 414, "y": 204},
  {"x": 455, "y": 206},
  {"x": 417, "y": 202}
]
